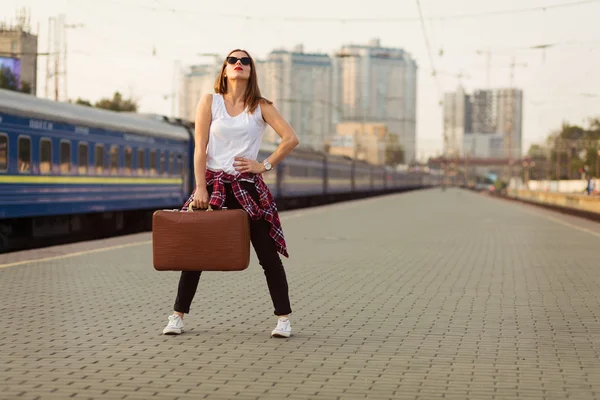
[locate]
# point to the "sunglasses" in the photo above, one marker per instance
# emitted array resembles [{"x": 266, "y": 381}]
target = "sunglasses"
[{"x": 243, "y": 60}]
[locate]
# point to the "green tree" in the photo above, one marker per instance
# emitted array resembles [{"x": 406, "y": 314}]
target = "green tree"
[
  {"x": 394, "y": 152},
  {"x": 83, "y": 102},
  {"x": 538, "y": 162},
  {"x": 117, "y": 103},
  {"x": 26, "y": 87},
  {"x": 569, "y": 151},
  {"x": 8, "y": 80}
]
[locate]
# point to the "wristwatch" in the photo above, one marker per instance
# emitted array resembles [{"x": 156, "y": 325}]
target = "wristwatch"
[{"x": 267, "y": 165}]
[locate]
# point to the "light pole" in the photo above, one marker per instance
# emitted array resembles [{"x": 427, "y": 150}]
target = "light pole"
[{"x": 527, "y": 170}]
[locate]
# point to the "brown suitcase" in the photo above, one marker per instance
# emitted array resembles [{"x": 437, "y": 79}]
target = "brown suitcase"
[{"x": 202, "y": 240}]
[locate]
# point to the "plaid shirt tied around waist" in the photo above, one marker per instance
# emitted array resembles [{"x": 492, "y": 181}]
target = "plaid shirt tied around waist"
[{"x": 267, "y": 209}]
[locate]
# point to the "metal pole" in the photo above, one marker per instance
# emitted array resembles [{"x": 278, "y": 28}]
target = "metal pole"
[
  {"x": 57, "y": 48},
  {"x": 50, "y": 22},
  {"x": 557, "y": 164},
  {"x": 467, "y": 169}
]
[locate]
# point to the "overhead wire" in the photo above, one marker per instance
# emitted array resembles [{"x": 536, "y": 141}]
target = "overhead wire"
[
  {"x": 434, "y": 71},
  {"x": 375, "y": 19}
]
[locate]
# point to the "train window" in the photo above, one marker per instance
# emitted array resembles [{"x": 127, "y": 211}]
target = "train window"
[
  {"x": 83, "y": 158},
  {"x": 99, "y": 158},
  {"x": 3, "y": 152},
  {"x": 162, "y": 162},
  {"x": 114, "y": 160},
  {"x": 24, "y": 154},
  {"x": 128, "y": 161},
  {"x": 153, "y": 162},
  {"x": 179, "y": 163},
  {"x": 65, "y": 157},
  {"x": 140, "y": 161},
  {"x": 172, "y": 163},
  {"x": 45, "y": 156}
]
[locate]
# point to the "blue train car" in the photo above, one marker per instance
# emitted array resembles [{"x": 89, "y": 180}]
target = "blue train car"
[
  {"x": 390, "y": 178},
  {"x": 67, "y": 169},
  {"x": 362, "y": 177},
  {"x": 68, "y": 159},
  {"x": 378, "y": 178},
  {"x": 302, "y": 174},
  {"x": 270, "y": 178},
  {"x": 59, "y": 162},
  {"x": 339, "y": 175}
]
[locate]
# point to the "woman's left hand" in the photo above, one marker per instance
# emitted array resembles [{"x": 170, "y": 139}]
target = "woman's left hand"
[{"x": 242, "y": 164}]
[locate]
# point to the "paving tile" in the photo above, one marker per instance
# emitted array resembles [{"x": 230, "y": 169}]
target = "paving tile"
[{"x": 421, "y": 295}]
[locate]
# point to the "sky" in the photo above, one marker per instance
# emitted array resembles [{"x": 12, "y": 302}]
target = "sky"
[{"x": 138, "y": 46}]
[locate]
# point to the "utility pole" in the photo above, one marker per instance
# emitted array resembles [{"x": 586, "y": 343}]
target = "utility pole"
[
  {"x": 557, "y": 164},
  {"x": 48, "y": 75},
  {"x": 467, "y": 169},
  {"x": 64, "y": 71},
  {"x": 57, "y": 47},
  {"x": 65, "y": 27}
]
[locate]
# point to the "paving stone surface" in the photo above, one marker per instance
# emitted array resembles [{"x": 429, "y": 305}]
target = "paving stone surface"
[{"x": 421, "y": 295}]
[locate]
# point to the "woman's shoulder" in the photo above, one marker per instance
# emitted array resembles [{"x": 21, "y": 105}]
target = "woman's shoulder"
[
  {"x": 206, "y": 100},
  {"x": 264, "y": 102},
  {"x": 266, "y": 108},
  {"x": 262, "y": 107}
]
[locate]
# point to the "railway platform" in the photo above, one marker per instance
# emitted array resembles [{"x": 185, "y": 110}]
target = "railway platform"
[{"x": 421, "y": 295}]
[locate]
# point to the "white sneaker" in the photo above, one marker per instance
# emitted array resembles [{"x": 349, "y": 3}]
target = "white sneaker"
[
  {"x": 283, "y": 328},
  {"x": 175, "y": 326}
]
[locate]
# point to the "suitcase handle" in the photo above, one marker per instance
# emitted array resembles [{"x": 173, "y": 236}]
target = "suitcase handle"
[{"x": 190, "y": 208}]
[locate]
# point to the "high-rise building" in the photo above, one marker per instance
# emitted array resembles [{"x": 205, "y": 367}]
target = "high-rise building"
[
  {"x": 196, "y": 81},
  {"x": 457, "y": 120},
  {"x": 484, "y": 111},
  {"x": 510, "y": 120},
  {"x": 380, "y": 84},
  {"x": 487, "y": 123},
  {"x": 301, "y": 85},
  {"x": 18, "y": 52}
]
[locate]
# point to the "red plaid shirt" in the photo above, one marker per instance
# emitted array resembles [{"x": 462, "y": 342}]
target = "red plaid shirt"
[{"x": 267, "y": 209}]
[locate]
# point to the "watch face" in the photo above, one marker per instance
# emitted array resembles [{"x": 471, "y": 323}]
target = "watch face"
[{"x": 268, "y": 166}]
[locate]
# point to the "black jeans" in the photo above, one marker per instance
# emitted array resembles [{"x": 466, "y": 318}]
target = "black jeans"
[{"x": 265, "y": 249}]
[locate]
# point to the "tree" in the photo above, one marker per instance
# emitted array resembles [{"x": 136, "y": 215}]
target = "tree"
[
  {"x": 394, "y": 152},
  {"x": 83, "y": 102},
  {"x": 536, "y": 151},
  {"x": 570, "y": 152},
  {"x": 8, "y": 80},
  {"x": 117, "y": 103},
  {"x": 25, "y": 87}
]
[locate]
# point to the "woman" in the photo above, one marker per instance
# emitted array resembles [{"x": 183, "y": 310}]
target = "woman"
[{"x": 229, "y": 129}]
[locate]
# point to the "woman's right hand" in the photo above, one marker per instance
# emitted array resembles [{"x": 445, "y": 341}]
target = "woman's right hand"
[{"x": 200, "y": 198}]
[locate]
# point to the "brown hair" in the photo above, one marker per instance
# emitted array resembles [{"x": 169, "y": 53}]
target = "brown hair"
[{"x": 252, "y": 95}]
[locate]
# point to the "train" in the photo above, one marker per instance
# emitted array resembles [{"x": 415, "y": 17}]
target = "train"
[{"x": 73, "y": 170}]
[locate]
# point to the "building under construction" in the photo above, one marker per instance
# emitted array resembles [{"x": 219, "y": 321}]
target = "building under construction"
[{"x": 18, "y": 51}]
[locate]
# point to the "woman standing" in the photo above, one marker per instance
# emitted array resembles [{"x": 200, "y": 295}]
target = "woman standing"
[{"x": 229, "y": 130}]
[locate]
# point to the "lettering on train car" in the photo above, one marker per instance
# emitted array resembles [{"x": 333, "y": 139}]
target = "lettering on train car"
[
  {"x": 82, "y": 129},
  {"x": 134, "y": 138},
  {"x": 43, "y": 125}
]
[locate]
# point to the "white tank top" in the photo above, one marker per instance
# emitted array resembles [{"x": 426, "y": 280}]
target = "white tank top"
[{"x": 231, "y": 137}]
